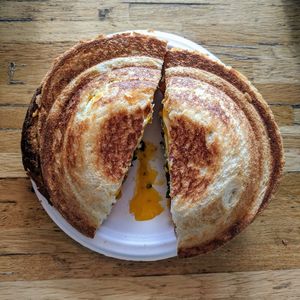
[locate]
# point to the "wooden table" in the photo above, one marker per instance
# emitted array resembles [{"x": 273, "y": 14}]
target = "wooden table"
[{"x": 37, "y": 260}]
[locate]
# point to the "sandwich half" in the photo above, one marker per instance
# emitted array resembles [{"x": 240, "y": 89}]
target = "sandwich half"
[
  {"x": 85, "y": 121},
  {"x": 223, "y": 147}
]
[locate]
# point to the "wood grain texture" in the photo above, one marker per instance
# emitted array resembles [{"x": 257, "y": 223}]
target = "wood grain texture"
[
  {"x": 11, "y": 158},
  {"x": 242, "y": 285},
  {"x": 259, "y": 38},
  {"x": 13, "y": 117},
  {"x": 32, "y": 60},
  {"x": 29, "y": 238}
]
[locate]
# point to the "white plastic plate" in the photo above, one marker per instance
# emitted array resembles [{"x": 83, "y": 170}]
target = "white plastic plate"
[{"x": 120, "y": 236}]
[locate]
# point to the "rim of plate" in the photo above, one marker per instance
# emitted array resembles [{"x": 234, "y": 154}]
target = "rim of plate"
[{"x": 108, "y": 242}]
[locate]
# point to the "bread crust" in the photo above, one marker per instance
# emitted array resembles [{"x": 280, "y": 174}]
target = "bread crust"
[
  {"x": 195, "y": 60},
  {"x": 62, "y": 72},
  {"x": 29, "y": 145},
  {"x": 37, "y": 129},
  {"x": 88, "y": 54}
]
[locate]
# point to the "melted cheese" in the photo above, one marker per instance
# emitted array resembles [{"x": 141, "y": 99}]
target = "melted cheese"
[{"x": 145, "y": 204}]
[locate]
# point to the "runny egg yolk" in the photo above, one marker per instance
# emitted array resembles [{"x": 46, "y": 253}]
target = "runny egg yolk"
[{"x": 145, "y": 204}]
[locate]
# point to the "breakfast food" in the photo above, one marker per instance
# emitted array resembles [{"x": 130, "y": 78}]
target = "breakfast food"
[
  {"x": 224, "y": 150},
  {"x": 86, "y": 120},
  {"x": 223, "y": 147}
]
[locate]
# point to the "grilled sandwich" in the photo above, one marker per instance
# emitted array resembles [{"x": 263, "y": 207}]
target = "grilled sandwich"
[
  {"x": 223, "y": 147},
  {"x": 85, "y": 121}
]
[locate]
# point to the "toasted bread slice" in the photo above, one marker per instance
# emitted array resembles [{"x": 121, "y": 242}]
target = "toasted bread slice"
[
  {"x": 224, "y": 150},
  {"x": 86, "y": 120}
]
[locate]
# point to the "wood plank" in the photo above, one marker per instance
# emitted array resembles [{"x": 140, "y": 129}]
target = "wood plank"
[
  {"x": 11, "y": 159},
  {"x": 131, "y": 15},
  {"x": 283, "y": 114},
  {"x": 29, "y": 238},
  {"x": 276, "y": 93},
  {"x": 239, "y": 285},
  {"x": 32, "y": 61},
  {"x": 290, "y": 136},
  {"x": 12, "y": 117},
  {"x": 10, "y": 141},
  {"x": 11, "y": 165},
  {"x": 252, "y": 57},
  {"x": 292, "y": 160},
  {"x": 61, "y": 31},
  {"x": 28, "y": 11}
]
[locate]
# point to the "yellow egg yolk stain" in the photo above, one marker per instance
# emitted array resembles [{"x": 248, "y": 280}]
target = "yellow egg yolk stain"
[{"x": 145, "y": 204}]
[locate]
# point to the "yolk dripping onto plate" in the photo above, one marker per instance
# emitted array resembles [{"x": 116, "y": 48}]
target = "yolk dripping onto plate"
[{"x": 145, "y": 204}]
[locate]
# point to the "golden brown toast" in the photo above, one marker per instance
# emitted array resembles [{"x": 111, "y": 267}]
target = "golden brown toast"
[
  {"x": 224, "y": 150},
  {"x": 86, "y": 120}
]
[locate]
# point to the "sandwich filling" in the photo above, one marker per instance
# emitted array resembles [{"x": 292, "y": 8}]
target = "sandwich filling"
[{"x": 145, "y": 204}]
